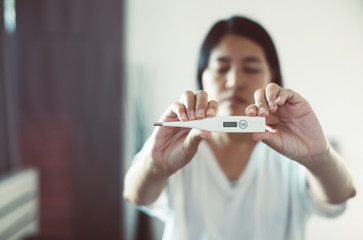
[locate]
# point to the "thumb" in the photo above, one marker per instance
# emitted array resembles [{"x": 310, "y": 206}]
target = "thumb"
[
  {"x": 192, "y": 141},
  {"x": 270, "y": 139}
]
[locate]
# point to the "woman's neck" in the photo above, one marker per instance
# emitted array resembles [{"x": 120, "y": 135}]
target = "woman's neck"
[
  {"x": 232, "y": 152},
  {"x": 223, "y": 140}
]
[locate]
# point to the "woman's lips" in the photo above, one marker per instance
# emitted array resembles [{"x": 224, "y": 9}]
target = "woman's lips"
[{"x": 235, "y": 100}]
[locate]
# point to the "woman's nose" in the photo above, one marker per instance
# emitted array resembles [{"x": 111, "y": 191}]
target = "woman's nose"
[{"x": 234, "y": 78}]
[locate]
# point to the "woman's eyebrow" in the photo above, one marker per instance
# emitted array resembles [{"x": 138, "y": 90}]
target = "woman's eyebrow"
[
  {"x": 248, "y": 59},
  {"x": 223, "y": 59},
  {"x": 251, "y": 59}
]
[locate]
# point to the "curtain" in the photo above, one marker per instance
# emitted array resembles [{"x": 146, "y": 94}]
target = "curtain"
[{"x": 68, "y": 95}]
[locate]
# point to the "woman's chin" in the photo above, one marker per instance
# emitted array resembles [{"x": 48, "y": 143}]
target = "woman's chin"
[
  {"x": 231, "y": 112},
  {"x": 230, "y": 108}
]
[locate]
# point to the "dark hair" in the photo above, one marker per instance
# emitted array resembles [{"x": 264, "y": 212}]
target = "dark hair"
[{"x": 244, "y": 27}]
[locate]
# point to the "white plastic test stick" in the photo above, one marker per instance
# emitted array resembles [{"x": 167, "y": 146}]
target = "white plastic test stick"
[{"x": 231, "y": 124}]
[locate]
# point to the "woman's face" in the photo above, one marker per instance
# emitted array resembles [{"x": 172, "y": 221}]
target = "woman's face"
[{"x": 237, "y": 68}]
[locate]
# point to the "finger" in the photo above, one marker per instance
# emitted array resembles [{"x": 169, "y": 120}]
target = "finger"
[
  {"x": 168, "y": 114},
  {"x": 212, "y": 108},
  {"x": 201, "y": 104},
  {"x": 251, "y": 110},
  {"x": 188, "y": 99},
  {"x": 194, "y": 138},
  {"x": 179, "y": 110},
  {"x": 272, "y": 91},
  {"x": 287, "y": 95},
  {"x": 261, "y": 102},
  {"x": 270, "y": 139}
]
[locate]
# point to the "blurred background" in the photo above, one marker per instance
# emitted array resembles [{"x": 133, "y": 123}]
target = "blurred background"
[
  {"x": 82, "y": 81},
  {"x": 61, "y": 141}
]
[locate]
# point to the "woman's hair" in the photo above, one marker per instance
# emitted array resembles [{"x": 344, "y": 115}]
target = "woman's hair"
[{"x": 244, "y": 27}]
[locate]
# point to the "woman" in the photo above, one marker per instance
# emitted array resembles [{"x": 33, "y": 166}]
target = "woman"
[{"x": 239, "y": 186}]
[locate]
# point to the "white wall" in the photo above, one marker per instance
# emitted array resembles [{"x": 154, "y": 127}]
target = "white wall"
[{"x": 320, "y": 45}]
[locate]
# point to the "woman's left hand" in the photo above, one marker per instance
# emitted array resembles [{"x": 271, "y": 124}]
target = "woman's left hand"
[{"x": 293, "y": 128}]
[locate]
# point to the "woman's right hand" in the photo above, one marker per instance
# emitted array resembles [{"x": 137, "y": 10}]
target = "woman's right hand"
[{"x": 173, "y": 147}]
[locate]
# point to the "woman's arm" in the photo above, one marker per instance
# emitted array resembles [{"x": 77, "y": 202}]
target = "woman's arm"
[
  {"x": 142, "y": 184},
  {"x": 295, "y": 132},
  {"x": 169, "y": 149},
  {"x": 328, "y": 178}
]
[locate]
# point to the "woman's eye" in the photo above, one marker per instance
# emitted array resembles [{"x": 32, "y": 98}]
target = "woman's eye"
[
  {"x": 252, "y": 70},
  {"x": 222, "y": 70}
]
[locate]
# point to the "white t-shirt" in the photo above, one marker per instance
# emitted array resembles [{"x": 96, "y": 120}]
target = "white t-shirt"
[{"x": 269, "y": 201}]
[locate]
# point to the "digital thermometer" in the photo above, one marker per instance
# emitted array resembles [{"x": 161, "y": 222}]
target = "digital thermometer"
[{"x": 230, "y": 124}]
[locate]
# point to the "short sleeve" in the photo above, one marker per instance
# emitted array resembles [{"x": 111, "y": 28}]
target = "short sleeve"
[{"x": 314, "y": 205}]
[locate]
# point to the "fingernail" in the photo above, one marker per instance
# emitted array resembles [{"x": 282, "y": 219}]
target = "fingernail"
[
  {"x": 210, "y": 111},
  {"x": 251, "y": 111},
  {"x": 201, "y": 138},
  {"x": 271, "y": 105},
  {"x": 279, "y": 99},
  {"x": 184, "y": 117},
  {"x": 201, "y": 113},
  {"x": 262, "y": 110},
  {"x": 192, "y": 114}
]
